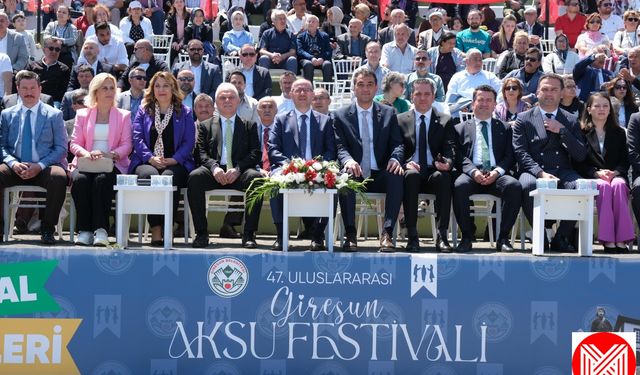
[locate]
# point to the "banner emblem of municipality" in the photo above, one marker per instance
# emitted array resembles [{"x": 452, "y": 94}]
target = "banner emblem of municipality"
[
  {"x": 228, "y": 277},
  {"x": 603, "y": 353}
]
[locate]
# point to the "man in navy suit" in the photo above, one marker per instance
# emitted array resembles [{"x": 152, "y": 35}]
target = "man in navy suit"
[
  {"x": 370, "y": 145},
  {"x": 545, "y": 140},
  {"x": 33, "y": 143},
  {"x": 485, "y": 158},
  {"x": 303, "y": 133},
  {"x": 208, "y": 76},
  {"x": 590, "y": 74}
]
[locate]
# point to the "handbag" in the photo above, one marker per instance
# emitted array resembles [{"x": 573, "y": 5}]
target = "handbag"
[{"x": 101, "y": 165}]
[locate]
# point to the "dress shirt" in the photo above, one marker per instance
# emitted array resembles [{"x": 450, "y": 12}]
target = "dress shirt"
[
  {"x": 308, "y": 155},
  {"x": 3, "y": 44},
  {"x": 380, "y": 71},
  {"x": 223, "y": 150},
  {"x": 248, "y": 77},
  {"x": 197, "y": 74},
  {"x": 427, "y": 120},
  {"x": 477, "y": 152},
  {"x": 284, "y": 105},
  {"x": 374, "y": 163},
  {"x": 396, "y": 60},
  {"x": 113, "y": 52},
  {"x": 34, "y": 115},
  {"x": 544, "y": 114},
  {"x": 463, "y": 83}
]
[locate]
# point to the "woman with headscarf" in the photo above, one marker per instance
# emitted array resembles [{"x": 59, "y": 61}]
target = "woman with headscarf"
[
  {"x": 562, "y": 59},
  {"x": 234, "y": 39},
  {"x": 198, "y": 29},
  {"x": 333, "y": 25}
]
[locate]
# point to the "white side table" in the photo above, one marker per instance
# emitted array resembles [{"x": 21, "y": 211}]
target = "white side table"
[
  {"x": 299, "y": 203},
  {"x": 563, "y": 204},
  {"x": 149, "y": 200}
]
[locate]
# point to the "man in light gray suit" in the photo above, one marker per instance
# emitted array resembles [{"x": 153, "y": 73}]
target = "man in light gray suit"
[
  {"x": 33, "y": 146},
  {"x": 131, "y": 99},
  {"x": 16, "y": 48},
  {"x": 207, "y": 76}
]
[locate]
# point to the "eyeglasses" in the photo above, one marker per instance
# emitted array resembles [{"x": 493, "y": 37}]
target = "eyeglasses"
[
  {"x": 607, "y": 5},
  {"x": 620, "y": 87},
  {"x": 595, "y": 21},
  {"x": 57, "y": 49},
  {"x": 139, "y": 78},
  {"x": 422, "y": 58},
  {"x": 511, "y": 88},
  {"x": 185, "y": 79},
  {"x": 196, "y": 49},
  {"x": 300, "y": 90},
  {"x": 248, "y": 54},
  {"x": 531, "y": 59},
  {"x": 632, "y": 19}
]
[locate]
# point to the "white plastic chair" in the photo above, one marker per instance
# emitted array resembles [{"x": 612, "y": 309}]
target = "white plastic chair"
[
  {"x": 183, "y": 57},
  {"x": 489, "y": 64},
  {"x": 229, "y": 64}
]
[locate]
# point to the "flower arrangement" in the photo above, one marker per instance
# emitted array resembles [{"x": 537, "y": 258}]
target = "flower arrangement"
[{"x": 304, "y": 174}]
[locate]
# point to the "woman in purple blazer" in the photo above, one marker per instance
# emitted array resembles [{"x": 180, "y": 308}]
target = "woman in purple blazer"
[
  {"x": 101, "y": 131},
  {"x": 164, "y": 136}
]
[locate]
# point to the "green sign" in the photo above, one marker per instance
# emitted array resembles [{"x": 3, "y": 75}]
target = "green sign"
[{"x": 22, "y": 288}]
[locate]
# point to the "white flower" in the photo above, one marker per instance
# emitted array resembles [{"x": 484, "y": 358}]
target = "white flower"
[
  {"x": 340, "y": 185},
  {"x": 279, "y": 178},
  {"x": 317, "y": 166},
  {"x": 319, "y": 178},
  {"x": 299, "y": 177},
  {"x": 343, "y": 178},
  {"x": 334, "y": 170},
  {"x": 290, "y": 178}
]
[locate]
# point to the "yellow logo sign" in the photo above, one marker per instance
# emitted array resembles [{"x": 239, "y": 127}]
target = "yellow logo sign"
[{"x": 37, "y": 346}]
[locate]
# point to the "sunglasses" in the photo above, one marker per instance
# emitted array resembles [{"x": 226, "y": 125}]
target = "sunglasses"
[
  {"x": 185, "y": 79},
  {"x": 139, "y": 78},
  {"x": 248, "y": 54},
  {"x": 531, "y": 59},
  {"x": 607, "y": 5},
  {"x": 57, "y": 49},
  {"x": 421, "y": 58},
  {"x": 632, "y": 19},
  {"x": 511, "y": 88},
  {"x": 620, "y": 87},
  {"x": 594, "y": 22}
]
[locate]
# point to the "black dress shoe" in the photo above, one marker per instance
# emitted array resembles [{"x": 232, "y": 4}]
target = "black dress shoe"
[
  {"x": 503, "y": 245},
  {"x": 179, "y": 231},
  {"x": 465, "y": 245},
  {"x": 157, "y": 243},
  {"x": 317, "y": 245},
  {"x": 350, "y": 243},
  {"x": 201, "y": 240},
  {"x": 228, "y": 231},
  {"x": 277, "y": 246},
  {"x": 47, "y": 238},
  {"x": 611, "y": 250},
  {"x": 442, "y": 245},
  {"x": 413, "y": 245},
  {"x": 561, "y": 245},
  {"x": 249, "y": 241},
  {"x": 386, "y": 244}
]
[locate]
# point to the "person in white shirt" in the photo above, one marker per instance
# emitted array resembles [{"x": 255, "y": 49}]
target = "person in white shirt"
[
  {"x": 398, "y": 55},
  {"x": 297, "y": 21},
  {"x": 285, "y": 104},
  {"x": 7, "y": 74},
  {"x": 112, "y": 50},
  {"x": 135, "y": 27},
  {"x": 611, "y": 23}
]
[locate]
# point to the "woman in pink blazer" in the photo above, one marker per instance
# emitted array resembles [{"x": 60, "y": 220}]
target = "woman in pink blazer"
[{"x": 101, "y": 131}]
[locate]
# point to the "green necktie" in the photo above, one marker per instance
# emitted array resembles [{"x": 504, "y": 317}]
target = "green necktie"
[
  {"x": 484, "y": 146},
  {"x": 228, "y": 141}
]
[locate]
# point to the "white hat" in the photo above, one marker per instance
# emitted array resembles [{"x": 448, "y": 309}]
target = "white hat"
[
  {"x": 135, "y": 4},
  {"x": 436, "y": 13}
]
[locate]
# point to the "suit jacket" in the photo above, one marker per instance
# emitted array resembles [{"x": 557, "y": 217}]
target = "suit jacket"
[
  {"x": 305, "y": 45},
  {"x": 500, "y": 140},
  {"x": 155, "y": 66},
  {"x": 530, "y": 87},
  {"x": 119, "y": 135},
  {"x": 440, "y": 137},
  {"x": 184, "y": 138},
  {"x": 245, "y": 148},
  {"x": 536, "y": 149},
  {"x": 100, "y": 68},
  {"x": 262, "y": 82},
  {"x": 538, "y": 29},
  {"x": 284, "y": 139},
  {"x": 387, "y": 135},
  {"x": 11, "y": 100},
  {"x": 633, "y": 144},
  {"x": 50, "y": 135},
  {"x": 425, "y": 39},
  {"x": 344, "y": 46},
  {"x": 17, "y": 50},
  {"x": 123, "y": 101},
  {"x": 586, "y": 77},
  {"x": 615, "y": 155},
  {"x": 66, "y": 106},
  {"x": 210, "y": 79},
  {"x": 386, "y": 35}
]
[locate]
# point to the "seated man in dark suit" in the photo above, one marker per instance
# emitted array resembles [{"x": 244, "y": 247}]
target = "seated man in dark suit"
[
  {"x": 33, "y": 143},
  {"x": 370, "y": 144},
  {"x": 229, "y": 152},
  {"x": 545, "y": 141},
  {"x": 314, "y": 51},
  {"x": 54, "y": 75},
  {"x": 143, "y": 51},
  {"x": 352, "y": 45},
  {"x": 590, "y": 74},
  {"x": 208, "y": 76},
  {"x": 258, "y": 78},
  {"x": 90, "y": 51},
  {"x": 300, "y": 133},
  {"x": 424, "y": 172},
  {"x": 387, "y": 34},
  {"x": 531, "y": 25},
  {"x": 131, "y": 99},
  {"x": 484, "y": 156},
  {"x": 84, "y": 77}
]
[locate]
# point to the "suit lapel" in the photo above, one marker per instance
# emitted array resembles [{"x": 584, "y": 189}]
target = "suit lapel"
[
  {"x": 292, "y": 122},
  {"x": 497, "y": 134},
  {"x": 91, "y": 125},
  {"x": 238, "y": 134},
  {"x": 470, "y": 127},
  {"x": 314, "y": 128},
  {"x": 592, "y": 138},
  {"x": 40, "y": 123},
  {"x": 216, "y": 133},
  {"x": 377, "y": 122},
  {"x": 538, "y": 123},
  {"x": 433, "y": 138}
]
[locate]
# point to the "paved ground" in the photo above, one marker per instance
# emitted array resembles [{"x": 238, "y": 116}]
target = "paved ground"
[{"x": 265, "y": 241}]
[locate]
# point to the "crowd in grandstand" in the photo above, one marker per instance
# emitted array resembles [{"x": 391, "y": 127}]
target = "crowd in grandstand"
[{"x": 460, "y": 103}]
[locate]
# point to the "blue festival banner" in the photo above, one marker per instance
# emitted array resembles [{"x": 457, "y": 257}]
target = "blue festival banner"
[{"x": 263, "y": 313}]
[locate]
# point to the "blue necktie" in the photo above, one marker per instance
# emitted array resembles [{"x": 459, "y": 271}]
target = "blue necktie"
[
  {"x": 26, "y": 155},
  {"x": 303, "y": 137}
]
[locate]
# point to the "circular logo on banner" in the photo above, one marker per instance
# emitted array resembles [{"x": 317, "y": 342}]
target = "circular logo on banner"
[
  {"x": 67, "y": 310},
  {"x": 222, "y": 368},
  {"x": 332, "y": 263},
  {"x": 111, "y": 367},
  {"x": 604, "y": 353},
  {"x": 267, "y": 323},
  {"x": 438, "y": 370},
  {"x": 391, "y": 314},
  {"x": 447, "y": 267},
  {"x": 549, "y": 269},
  {"x": 228, "y": 277},
  {"x": 330, "y": 368},
  {"x": 163, "y": 314},
  {"x": 115, "y": 262},
  {"x": 497, "y": 318}
]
